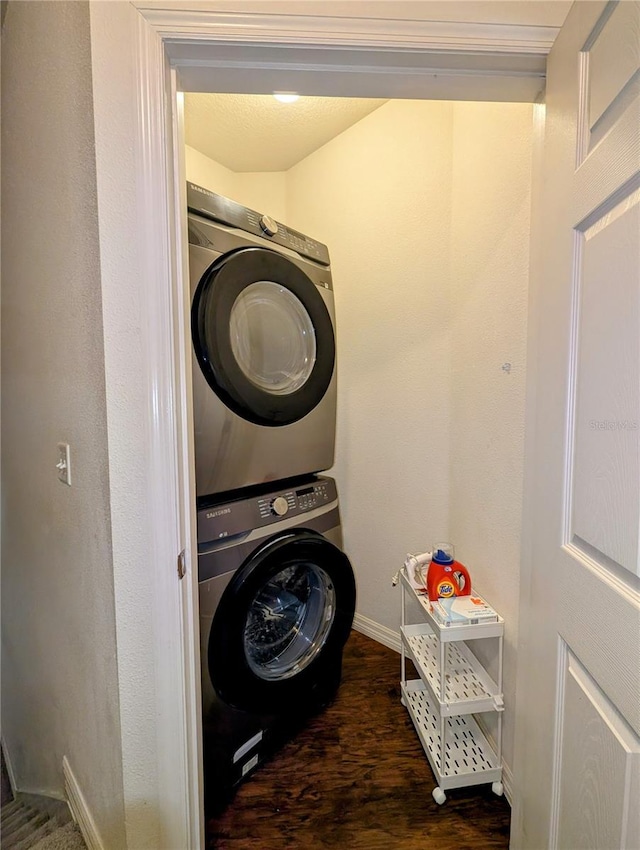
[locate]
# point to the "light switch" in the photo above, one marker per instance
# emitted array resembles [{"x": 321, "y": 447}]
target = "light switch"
[{"x": 64, "y": 463}]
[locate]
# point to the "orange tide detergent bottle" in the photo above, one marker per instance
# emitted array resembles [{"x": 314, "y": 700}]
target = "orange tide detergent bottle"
[{"x": 446, "y": 576}]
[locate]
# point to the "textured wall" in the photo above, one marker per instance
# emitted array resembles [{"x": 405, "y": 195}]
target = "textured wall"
[
  {"x": 255, "y": 133},
  {"x": 425, "y": 207},
  {"x": 206, "y": 172},
  {"x": 380, "y": 196},
  {"x": 492, "y": 148},
  {"x": 60, "y": 688},
  {"x": 262, "y": 191}
]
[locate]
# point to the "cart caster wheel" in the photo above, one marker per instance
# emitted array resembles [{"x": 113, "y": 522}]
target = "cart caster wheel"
[
  {"x": 438, "y": 795},
  {"x": 497, "y": 788}
]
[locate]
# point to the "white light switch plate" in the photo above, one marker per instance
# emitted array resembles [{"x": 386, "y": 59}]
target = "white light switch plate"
[{"x": 64, "y": 463}]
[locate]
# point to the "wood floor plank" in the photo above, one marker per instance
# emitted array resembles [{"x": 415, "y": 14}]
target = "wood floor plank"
[{"x": 356, "y": 778}]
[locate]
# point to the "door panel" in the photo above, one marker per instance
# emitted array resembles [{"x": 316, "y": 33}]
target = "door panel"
[
  {"x": 606, "y": 467},
  {"x": 597, "y": 812},
  {"x": 578, "y": 704},
  {"x": 612, "y": 52}
]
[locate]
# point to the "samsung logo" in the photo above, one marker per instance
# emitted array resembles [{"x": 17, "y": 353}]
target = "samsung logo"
[{"x": 221, "y": 512}]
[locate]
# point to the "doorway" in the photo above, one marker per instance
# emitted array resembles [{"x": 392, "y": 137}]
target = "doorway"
[
  {"x": 424, "y": 206},
  {"x": 134, "y": 277}
]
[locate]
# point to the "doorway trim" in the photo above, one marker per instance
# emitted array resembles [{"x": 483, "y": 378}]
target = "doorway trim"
[
  {"x": 346, "y": 25},
  {"x": 160, "y": 48}
]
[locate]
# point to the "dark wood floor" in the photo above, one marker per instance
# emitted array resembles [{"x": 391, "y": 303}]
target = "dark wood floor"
[{"x": 356, "y": 778}]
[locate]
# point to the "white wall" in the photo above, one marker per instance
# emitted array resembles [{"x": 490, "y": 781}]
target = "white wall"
[
  {"x": 265, "y": 191},
  {"x": 491, "y": 184},
  {"x": 208, "y": 173},
  {"x": 60, "y": 686},
  {"x": 262, "y": 191},
  {"x": 380, "y": 196},
  {"x": 425, "y": 208}
]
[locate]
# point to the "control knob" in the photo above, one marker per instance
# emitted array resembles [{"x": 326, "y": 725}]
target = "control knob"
[
  {"x": 269, "y": 226},
  {"x": 280, "y": 506}
]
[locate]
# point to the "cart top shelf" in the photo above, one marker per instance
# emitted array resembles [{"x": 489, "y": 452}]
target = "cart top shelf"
[{"x": 457, "y": 631}]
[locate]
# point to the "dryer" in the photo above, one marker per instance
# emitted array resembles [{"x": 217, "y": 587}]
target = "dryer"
[
  {"x": 277, "y": 600},
  {"x": 263, "y": 330}
]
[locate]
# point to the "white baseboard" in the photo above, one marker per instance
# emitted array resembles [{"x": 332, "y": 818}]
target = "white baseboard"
[
  {"x": 507, "y": 781},
  {"x": 384, "y": 635},
  {"x": 79, "y": 809}
]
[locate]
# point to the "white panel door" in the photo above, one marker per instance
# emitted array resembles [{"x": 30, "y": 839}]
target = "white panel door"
[{"x": 577, "y": 765}]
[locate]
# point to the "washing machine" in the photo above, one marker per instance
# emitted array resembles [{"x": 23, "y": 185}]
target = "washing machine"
[
  {"x": 277, "y": 599},
  {"x": 264, "y": 356}
]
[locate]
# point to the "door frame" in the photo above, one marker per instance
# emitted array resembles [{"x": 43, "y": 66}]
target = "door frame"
[{"x": 142, "y": 226}]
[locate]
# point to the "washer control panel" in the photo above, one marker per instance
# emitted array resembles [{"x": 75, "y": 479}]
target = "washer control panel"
[
  {"x": 280, "y": 506},
  {"x": 241, "y": 515},
  {"x": 276, "y": 506},
  {"x": 269, "y": 225},
  {"x": 218, "y": 208},
  {"x": 312, "y": 496}
]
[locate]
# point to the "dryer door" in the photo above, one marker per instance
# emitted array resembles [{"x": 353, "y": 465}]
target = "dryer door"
[
  {"x": 263, "y": 336},
  {"x": 277, "y": 636}
]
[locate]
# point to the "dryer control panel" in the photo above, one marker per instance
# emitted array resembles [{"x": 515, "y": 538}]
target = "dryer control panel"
[
  {"x": 225, "y": 211},
  {"x": 241, "y": 515}
]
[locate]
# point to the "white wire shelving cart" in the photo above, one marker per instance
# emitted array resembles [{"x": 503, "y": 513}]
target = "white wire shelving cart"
[{"x": 452, "y": 686}]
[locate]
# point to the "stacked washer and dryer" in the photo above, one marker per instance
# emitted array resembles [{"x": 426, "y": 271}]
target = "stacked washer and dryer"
[{"x": 277, "y": 593}]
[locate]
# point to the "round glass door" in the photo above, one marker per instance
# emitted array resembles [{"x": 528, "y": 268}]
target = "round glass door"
[
  {"x": 263, "y": 336},
  {"x": 272, "y": 338},
  {"x": 288, "y": 621},
  {"x": 277, "y": 634}
]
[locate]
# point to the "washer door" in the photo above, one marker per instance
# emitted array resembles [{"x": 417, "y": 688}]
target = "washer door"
[
  {"x": 277, "y": 636},
  {"x": 263, "y": 336}
]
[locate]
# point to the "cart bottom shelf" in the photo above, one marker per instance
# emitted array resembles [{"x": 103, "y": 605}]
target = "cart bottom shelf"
[{"x": 469, "y": 758}]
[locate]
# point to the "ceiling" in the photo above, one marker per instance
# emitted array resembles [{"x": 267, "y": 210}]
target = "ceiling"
[
  {"x": 247, "y": 132},
  {"x": 257, "y": 133}
]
